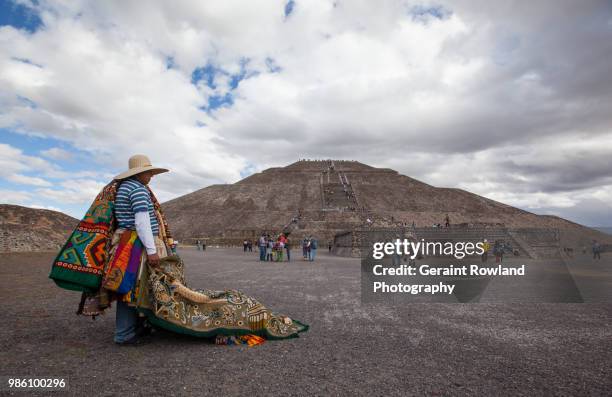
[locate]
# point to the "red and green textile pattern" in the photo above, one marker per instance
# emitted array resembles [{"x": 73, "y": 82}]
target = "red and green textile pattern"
[
  {"x": 123, "y": 266},
  {"x": 79, "y": 266}
]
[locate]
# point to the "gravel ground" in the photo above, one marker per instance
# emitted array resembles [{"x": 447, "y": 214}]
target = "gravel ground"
[{"x": 350, "y": 349}]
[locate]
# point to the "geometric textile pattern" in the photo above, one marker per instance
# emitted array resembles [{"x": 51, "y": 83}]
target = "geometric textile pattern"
[{"x": 82, "y": 260}]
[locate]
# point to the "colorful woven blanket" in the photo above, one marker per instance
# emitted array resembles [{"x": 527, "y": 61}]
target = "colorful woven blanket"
[
  {"x": 123, "y": 266},
  {"x": 83, "y": 261},
  {"x": 79, "y": 266}
]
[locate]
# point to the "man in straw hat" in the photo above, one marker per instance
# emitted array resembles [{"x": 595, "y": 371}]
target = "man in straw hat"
[
  {"x": 117, "y": 252},
  {"x": 137, "y": 218}
]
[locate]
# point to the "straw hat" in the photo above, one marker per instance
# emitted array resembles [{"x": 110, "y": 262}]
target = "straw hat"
[{"x": 137, "y": 164}]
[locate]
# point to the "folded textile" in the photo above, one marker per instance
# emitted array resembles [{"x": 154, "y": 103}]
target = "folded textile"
[
  {"x": 124, "y": 262},
  {"x": 79, "y": 266}
]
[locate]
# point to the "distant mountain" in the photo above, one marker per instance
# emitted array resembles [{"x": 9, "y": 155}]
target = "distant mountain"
[
  {"x": 24, "y": 229},
  {"x": 607, "y": 230}
]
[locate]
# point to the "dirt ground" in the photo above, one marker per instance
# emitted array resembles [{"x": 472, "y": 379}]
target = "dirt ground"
[{"x": 350, "y": 349}]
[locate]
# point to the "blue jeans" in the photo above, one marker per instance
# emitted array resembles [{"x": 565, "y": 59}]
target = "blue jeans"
[
  {"x": 288, "y": 255},
  {"x": 262, "y": 253},
  {"x": 311, "y": 254},
  {"x": 126, "y": 321}
]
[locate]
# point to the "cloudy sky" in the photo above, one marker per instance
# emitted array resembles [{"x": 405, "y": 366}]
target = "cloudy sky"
[{"x": 510, "y": 100}]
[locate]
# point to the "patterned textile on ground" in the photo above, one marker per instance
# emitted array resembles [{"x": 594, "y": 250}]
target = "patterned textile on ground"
[
  {"x": 83, "y": 261},
  {"x": 178, "y": 308}
]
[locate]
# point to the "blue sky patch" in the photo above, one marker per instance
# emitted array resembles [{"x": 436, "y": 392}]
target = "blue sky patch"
[
  {"x": 289, "y": 8},
  {"x": 272, "y": 65},
  {"x": 24, "y": 60},
  {"x": 250, "y": 169},
  {"x": 209, "y": 74},
  {"x": 243, "y": 74},
  {"x": 28, "y": 144},
  {"x": 31, "y": 145},
  {"x": 217, "y": 101},
  {"x": 170, "y": 62},
  {"x": 27, "y": 102},
  {"x": 206, "y": 74},
  {"x": 19, "y": 16},
  {"x": 424, "y": 14}
]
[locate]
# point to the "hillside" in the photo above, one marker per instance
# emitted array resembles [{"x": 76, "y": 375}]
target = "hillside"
[{"x": 24, "y": 229}]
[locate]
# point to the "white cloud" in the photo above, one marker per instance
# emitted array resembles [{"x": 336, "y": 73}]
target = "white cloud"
[
  {"x": 487, "y": 98},
  {"x": 46, "y": 207},
  {"x": 56, "y": 154},
  {"x": 14, "y": 197},
  {"x": 13, "y": 163},
  {"x": 76, "y": 191},
  {"x": 28, "y": 180}
]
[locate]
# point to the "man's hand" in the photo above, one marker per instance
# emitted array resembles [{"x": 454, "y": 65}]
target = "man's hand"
[{"x": 153, "y": 260}]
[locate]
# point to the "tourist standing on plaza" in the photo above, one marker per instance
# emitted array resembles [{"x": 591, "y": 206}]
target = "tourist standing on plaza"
[
  {"x": 596, "y": 250},
  {"x": 262, "y": 247},
  {"x": 313, "y": 246},
  {"x": 288, "y": 249},
  {"x": 305, "y": 244},
  {"x": 198, "y": 245},
  {"x": 498, "y": 251},
  {"x": 485, "y": 247},
  {"x": 280, "y": 247},
  {"x": 269, "y": 248}
]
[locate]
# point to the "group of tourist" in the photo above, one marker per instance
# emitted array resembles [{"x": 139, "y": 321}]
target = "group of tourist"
[
  {"x": 309, "y": 248},
  {"x": 273, "y": 249},
  {"x": 201, "y": 245},
  {"x": 499, "y": 248},
  {"x": 247, "y": 245}
]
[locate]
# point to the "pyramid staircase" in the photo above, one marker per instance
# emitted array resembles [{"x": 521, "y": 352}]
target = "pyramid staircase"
[{"x": 337, "y": 194}]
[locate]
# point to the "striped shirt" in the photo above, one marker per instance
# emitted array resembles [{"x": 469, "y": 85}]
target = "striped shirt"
[{"x": 133, "y": 197}]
